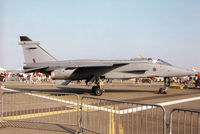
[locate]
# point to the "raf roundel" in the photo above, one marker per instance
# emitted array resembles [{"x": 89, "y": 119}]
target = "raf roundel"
[{"x": 34, "y": 60}]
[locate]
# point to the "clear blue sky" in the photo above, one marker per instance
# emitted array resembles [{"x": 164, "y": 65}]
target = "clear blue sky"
[{"x": 102, "y": 29}]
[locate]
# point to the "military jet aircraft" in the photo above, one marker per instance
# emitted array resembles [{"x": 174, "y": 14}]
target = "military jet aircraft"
[{"x": 93, "y": 71}]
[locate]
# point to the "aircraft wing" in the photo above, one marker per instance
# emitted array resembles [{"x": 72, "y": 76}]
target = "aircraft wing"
[
  {"x": 82, "y": 71},
  {"x": 97, "y": 66},
  {"x": 93, "y": 71}
]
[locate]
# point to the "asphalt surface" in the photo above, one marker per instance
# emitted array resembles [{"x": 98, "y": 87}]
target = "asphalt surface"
[{"x": 123, "y": 91}]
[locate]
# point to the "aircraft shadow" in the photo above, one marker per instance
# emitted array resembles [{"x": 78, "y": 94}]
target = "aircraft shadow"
[
  {"x": 126, "y": 90},
  {"x": 197, "y": 88},
  {"x": 82, "y": 90}
]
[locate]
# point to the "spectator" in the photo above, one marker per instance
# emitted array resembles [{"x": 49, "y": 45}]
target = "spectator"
[{"x": 1, "y": 80}]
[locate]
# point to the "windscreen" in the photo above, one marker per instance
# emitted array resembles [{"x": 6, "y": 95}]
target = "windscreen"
[{"x": 163, "y": 62}]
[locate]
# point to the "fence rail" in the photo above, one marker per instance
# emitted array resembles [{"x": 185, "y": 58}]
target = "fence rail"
[
  {"x": 185, "y": 121},
  {"x": 40, "y": 107},
  {"x": 121, "y": 117}
]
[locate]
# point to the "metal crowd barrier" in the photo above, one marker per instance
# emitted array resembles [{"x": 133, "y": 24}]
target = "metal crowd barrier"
[
  {"x": 120, "y": 117},
  {"x": 20, "y": 108},
  {"x": 184, "y": 121},
  {"x": 104, "y": 116}
]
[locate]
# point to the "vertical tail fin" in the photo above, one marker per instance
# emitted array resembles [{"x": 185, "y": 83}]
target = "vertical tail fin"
[{"x": 33, "y": 53}]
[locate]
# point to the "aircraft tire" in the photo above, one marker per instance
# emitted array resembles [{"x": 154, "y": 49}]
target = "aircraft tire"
[
  {"x": 98, "y": 91},
  {"x": 93, "y": 89},
  {"x": 162, "y": 91}
]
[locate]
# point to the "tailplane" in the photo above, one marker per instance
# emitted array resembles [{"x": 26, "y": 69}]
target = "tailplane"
[{"x": 33, "y": 53}]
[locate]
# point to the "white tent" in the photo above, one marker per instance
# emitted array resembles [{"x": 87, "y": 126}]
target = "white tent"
[{"x": 2, "y": 69}]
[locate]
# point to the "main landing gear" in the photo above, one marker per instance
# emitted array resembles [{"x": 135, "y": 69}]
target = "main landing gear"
[
  {"x": 166, "y": 86},
  {"x": 99, "y": 88}
]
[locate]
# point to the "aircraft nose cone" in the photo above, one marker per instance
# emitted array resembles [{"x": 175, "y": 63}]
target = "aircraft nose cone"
[{"x": 182, "y": 72}]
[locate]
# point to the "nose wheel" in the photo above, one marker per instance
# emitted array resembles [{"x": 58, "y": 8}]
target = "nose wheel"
[{"x": 162, "y": 91}]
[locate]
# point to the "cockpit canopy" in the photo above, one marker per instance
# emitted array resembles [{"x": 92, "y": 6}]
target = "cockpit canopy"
[
  {"x": 158, "y": 61},
  {"x": 163, "y": 62}
]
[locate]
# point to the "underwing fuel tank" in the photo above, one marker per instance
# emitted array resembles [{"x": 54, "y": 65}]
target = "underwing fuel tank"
[{"x": 61, "y": 74}]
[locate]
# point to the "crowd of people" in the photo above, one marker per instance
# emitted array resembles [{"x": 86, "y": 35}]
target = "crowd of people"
[
  {"x": 30, "y": 78},
  {"x": 187, "y": 81}
]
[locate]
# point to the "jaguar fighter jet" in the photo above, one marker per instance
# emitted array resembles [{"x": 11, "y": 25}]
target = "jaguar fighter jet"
[{"x": 93, "y": 71}]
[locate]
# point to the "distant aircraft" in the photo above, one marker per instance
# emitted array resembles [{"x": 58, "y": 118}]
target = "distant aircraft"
[{"x": 39, "y": 60}]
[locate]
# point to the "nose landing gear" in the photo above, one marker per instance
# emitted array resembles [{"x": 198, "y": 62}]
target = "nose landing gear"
[{"x": 166, "y": 86}]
